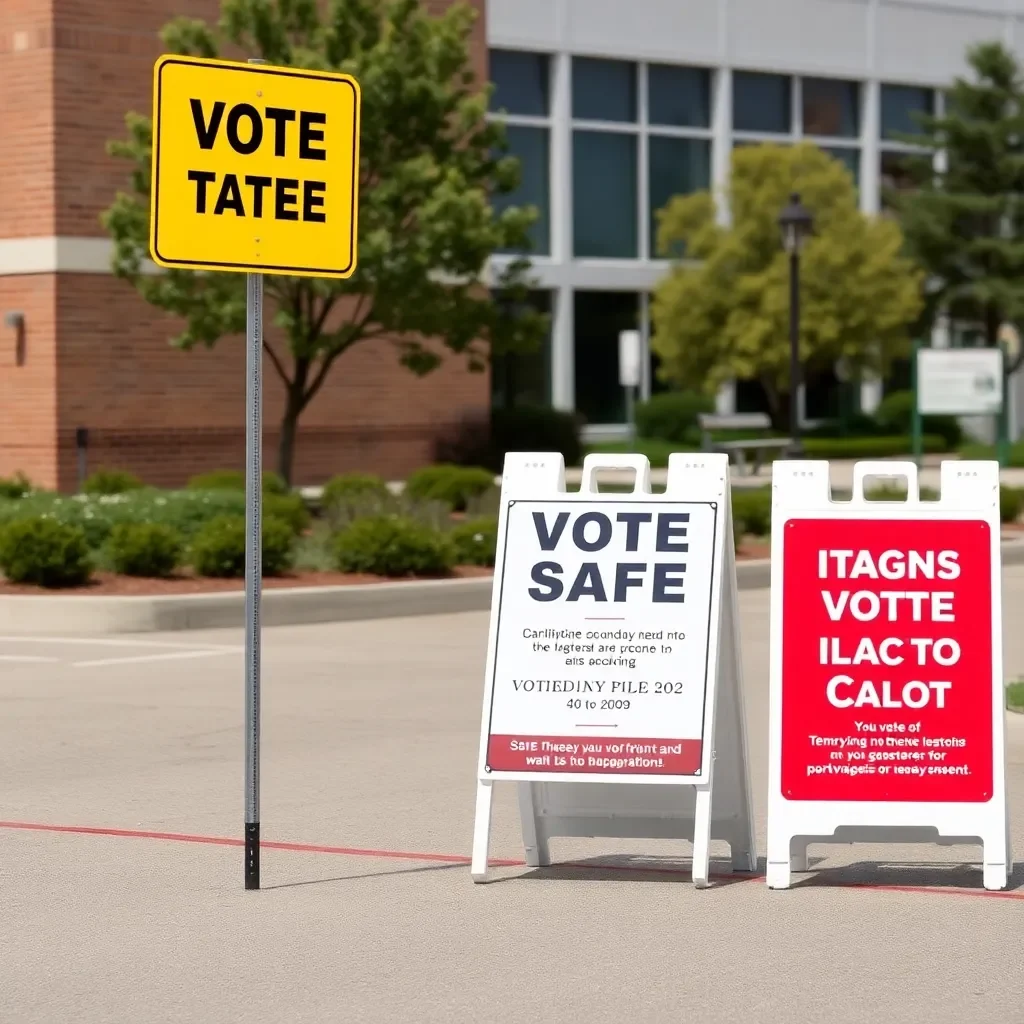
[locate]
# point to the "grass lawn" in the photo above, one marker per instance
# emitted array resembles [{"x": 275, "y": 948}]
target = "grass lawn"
[
  {"x": 987, "y": 451},
  {"x": 1015, "y": 696}
]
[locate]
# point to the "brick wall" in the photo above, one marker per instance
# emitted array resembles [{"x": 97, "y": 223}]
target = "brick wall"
[{"x": 98, "y": 356}]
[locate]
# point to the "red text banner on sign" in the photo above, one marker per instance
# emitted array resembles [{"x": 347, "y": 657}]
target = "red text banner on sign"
[
  {"x": 887, "y": 660},
  {"x": 593, "y": 754}
]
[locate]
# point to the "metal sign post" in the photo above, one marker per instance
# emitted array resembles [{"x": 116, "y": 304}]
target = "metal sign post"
[
  {"x": 253, "y": 562},
  {"x": 233, "y": 193},
  {"x": 253, "y": 567}
]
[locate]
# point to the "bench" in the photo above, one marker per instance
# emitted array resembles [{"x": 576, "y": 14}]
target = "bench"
[{"x": 741, "y": 421}]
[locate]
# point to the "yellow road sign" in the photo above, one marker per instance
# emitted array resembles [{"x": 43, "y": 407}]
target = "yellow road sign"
[{"x": 255, "y": 168}]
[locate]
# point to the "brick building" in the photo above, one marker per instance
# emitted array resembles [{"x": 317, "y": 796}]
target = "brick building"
[{"x": 90, "y": 353}]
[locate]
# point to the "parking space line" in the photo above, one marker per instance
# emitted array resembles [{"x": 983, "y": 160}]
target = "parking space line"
[
  {"x": 27, "y": 657},
  {"x": 136, "y": 659}
]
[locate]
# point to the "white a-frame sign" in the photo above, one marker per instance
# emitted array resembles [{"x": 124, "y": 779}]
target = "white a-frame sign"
[{"x": 613, "y": 693}]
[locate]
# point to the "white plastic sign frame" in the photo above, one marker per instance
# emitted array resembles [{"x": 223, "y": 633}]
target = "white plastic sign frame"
[
  {"x": 624, "y": 803},
  {"x": 969, "y": 495}
]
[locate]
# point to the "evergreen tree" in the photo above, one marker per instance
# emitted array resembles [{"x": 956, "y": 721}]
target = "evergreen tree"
[{"x": 963, "y": 218}]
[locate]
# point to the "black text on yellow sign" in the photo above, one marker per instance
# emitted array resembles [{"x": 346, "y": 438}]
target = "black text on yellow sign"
[{"x": 255, "y": 168}]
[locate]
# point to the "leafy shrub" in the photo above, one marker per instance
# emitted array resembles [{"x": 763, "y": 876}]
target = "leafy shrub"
[
  {"x": 290, "y": 509},
  {"x": 348, "y": 487},
  {"x": 672, "y": 416},
  {"x": 16, "y": 486},
  {"x": 484, "y": 439},
  {"x": 392, "y": 546},
  {"x": 1011, "y": 504},
  {"x": 895, "y": 415},
  {"x": 867, "y": 447},
  {"x": 234, "y": 480},
  {"x": 752, "y": 511},
  {"x": 44, "y": 552},
  {"x": 145, "y": 549},
  {"x": 475, "y": 541},
  {"x": 97, "y": 515},
  {"x": 455, "y": 486},
  {"x": 111, "y": 481},
  {"x": 219, "y": 547}
]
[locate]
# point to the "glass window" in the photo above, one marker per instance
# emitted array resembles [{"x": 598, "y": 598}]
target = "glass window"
[
  {"x": 676, "y": 167},
  {"x": 831, "y": 107},
  {"x": 679, "y": 96},
  {"x": 603, "y": 90},
  {"x": 530, "y": 146},
  {"x": 599, "y": 316},
  {"x": 604, "y": 202},
  {"x": 895, "y": 176},
  {"x": 761, "y": 103},
  {"x": 899, "y": 105},
  {"x": 850, "y": 158},
  {"x": 520, "y": 82},
  {"x": 524, "y": 378}
]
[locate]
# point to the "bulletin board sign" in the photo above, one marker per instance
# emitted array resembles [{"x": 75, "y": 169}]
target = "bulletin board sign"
[
  {"x": 886, "y": 683},
  {"x": 612, "y": 649}
]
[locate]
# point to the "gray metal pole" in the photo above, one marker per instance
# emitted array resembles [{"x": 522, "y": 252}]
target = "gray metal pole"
[
  {"x": 253, "y": 562},
  {"x": 253, "y": 568},
  {"x": 631, "y": 417}
]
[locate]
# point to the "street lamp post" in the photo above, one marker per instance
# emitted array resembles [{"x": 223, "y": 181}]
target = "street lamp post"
[{"x": 796, "y": 223}]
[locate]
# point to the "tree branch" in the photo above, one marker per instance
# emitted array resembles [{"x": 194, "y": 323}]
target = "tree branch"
[{"x": 278, "y": 365}]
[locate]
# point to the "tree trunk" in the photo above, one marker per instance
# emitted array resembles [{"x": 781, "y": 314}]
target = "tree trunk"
[
  {"x": 289, "y": 429},
  {"x": 778, "y": 408}
]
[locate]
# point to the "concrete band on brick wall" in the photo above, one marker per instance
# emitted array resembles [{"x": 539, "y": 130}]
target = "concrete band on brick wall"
[{"x": 94, "y": 616}]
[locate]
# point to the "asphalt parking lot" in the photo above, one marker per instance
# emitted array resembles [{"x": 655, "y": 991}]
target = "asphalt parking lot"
[{"x": 121, "y": 798}]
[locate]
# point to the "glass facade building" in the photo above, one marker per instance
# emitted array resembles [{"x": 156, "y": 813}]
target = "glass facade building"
[{"x": 615, "y": 107}]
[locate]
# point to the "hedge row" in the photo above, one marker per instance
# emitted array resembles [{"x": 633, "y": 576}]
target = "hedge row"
[
  {"x": 752, "y": 507},
  {"x": 48, "y": 552}
]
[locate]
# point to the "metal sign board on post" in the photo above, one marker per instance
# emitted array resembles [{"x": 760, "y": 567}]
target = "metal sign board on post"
[
  {"x": 613, "y": 693},
  {"x": 886, "y": 719},
  {"x": 959, "y": 381},
  {"x": 255, "y": 170}
]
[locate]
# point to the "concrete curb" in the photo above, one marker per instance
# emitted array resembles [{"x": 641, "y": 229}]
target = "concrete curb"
[{"x": 102, "y": 616}]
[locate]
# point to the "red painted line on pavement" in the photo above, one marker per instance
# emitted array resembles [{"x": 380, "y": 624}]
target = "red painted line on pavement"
[{"x": 455, "y": 858}]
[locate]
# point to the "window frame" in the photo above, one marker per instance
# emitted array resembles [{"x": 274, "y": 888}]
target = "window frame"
[{"x": 547, "y": 122}]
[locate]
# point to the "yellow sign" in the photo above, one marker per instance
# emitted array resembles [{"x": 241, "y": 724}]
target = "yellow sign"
[{"x": 255, "y": 168}]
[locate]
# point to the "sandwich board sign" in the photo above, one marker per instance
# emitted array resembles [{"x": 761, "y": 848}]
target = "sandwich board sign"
[
  {"x": 887, "y": 719},
  {"x": 255, "y": 168},
  {"x": 612, "y": 695}
]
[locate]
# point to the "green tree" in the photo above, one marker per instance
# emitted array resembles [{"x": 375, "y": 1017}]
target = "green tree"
[
  {"x": 723, "y": 312},
  {"x": 963, "y": 214},
  {"x": 430, "y": 160}
]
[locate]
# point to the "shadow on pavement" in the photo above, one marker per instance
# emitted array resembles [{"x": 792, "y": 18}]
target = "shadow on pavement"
[
  {"x": 915, "y": 875},
  {"x": 632, "y": 868},
  {"x": 360, "y": 876}
]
